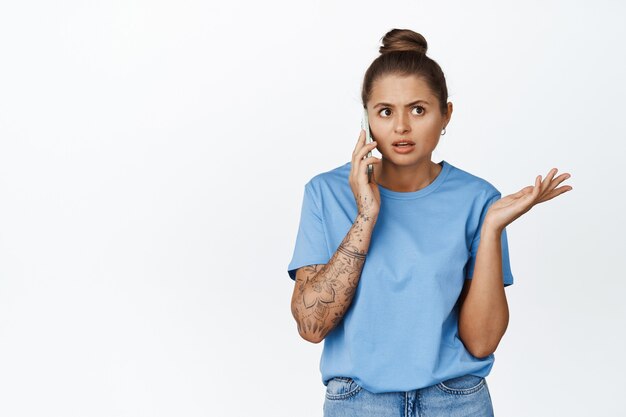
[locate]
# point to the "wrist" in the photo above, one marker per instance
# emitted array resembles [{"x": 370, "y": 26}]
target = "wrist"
[
  {"x": 366, "y": 217},
  {"x": 491, "y": 229}
]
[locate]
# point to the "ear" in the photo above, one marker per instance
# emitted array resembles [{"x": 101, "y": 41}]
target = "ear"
[{"x": 449, "y": 115}]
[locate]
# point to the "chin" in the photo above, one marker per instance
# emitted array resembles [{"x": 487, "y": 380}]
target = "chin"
[{"x": 407, "y": 159}]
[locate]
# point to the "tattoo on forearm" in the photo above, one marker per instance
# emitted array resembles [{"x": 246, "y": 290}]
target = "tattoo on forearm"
[
  {"x": 350, "y": 253},
  {"x": 326, "y": 291},
  {"x": 364, "y": 206}
]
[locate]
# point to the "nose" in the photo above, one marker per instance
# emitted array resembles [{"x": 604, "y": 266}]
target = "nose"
[{"x": 402, "y": 125}]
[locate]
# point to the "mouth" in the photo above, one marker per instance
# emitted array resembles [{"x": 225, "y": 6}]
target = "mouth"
[{"x": 403, "y": 143}]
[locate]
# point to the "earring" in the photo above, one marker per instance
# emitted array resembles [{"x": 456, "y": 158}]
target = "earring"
[{"x": 443, "y": 132}]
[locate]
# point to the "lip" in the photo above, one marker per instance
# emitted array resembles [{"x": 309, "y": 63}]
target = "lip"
[
  {"x": 403, "y": 149},
  {"x": 403, "y": 140}
]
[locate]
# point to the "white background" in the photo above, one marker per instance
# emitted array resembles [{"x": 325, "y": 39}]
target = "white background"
[{"x": 153, "y": 156}]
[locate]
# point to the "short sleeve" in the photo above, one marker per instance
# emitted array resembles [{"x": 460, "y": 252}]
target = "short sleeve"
[
  {"x": 311, "y": 247},
  {"x": 507, "y": 276}
]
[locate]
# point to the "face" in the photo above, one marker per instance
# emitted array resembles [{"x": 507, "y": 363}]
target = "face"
[{"x": 403, "y": 107}]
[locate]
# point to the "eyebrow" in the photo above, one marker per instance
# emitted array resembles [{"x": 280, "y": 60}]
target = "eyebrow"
[{"x": 408, "y": 105}]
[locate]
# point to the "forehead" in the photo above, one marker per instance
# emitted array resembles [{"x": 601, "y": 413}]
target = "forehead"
[{"x": 400, "y": 89}]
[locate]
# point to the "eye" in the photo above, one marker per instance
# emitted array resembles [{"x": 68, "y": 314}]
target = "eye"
[
  {"x": 388, "y": 111},
  {"x": 385, "y": 109},
  {"x": 419, "y": 107}
]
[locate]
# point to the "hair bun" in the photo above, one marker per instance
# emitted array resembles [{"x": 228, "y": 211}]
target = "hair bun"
[{"x": 403, "y": 40}]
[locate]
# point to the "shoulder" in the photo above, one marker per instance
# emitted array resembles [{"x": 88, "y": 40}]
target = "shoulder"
[
  {"x": 329, "y": 180},
  {"x": 471, "y": 184}
]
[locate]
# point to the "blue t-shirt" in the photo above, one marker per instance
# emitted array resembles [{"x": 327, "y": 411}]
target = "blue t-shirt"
[{"x": 400, "y": 332}]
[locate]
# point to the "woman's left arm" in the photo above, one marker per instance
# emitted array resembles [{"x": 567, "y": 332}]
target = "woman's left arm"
[{"x": 484, "y": 312}]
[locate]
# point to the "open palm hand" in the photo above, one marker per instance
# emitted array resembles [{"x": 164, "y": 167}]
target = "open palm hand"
[{"x": 507, "y": 209}]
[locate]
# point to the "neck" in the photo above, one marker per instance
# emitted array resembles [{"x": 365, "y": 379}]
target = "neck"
[{"x": 402, "y": 178}]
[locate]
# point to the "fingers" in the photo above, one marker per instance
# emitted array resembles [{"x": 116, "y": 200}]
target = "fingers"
[
  {"x": 362, "y": 173},
  {"x": 555, "y": 192},
  {"x": 362, "y": 148},
  {"x": 359, "y": 142},
  {"x": 360, "y": 162},
  {"x": 548, "y": 186},
  {"x": 559, "y": 180},
  {"x": 537, "y": 188},
  {"x": 366, "y": 149},
  {"x": 551, "y": 174},
  {"x": 362, "y": 153},
  {"x": 371, "y": 160},
  {"x": 550, "y": 182}
]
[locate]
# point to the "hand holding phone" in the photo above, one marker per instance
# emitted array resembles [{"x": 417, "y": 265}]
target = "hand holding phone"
[
  {"x": 362, "y": 178},
  {"x": 365, "y": 124}
]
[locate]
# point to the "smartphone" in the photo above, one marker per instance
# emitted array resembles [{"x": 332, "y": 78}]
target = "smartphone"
[{"x": 365, "y": 124}]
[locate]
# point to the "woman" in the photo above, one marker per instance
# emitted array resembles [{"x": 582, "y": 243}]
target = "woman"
[{"x": 403, "y": 277}]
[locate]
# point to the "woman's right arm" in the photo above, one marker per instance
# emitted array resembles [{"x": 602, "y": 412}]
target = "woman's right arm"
[{"x": 323, "y": 292}]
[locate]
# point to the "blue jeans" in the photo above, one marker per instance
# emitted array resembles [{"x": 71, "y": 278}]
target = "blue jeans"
[{"x": 464, "y": 396}]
